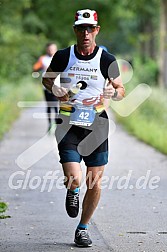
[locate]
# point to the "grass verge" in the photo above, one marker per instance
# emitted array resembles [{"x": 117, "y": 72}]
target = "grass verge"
[
  {"x": 10, "y": 94},
  {"x": 149, "y": 121}
]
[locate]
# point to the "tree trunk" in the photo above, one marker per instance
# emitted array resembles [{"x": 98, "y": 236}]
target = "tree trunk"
[
  {"x": 147, "y": 45},
  {"x": 163, "y": 45}
]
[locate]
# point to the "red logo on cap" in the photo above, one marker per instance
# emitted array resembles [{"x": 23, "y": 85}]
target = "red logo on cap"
[
  {"x": 76, "y": 16},
  {"x": 95, "y": 16}
]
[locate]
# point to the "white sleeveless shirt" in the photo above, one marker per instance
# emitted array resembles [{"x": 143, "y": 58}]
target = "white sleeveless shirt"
[{"x": 84, "y": 70}]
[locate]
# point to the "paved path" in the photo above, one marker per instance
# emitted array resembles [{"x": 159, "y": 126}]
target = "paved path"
[{"x": 132, "y": 213}]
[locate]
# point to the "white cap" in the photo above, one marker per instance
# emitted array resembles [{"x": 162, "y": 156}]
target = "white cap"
[{"x": 86, "y": 17}]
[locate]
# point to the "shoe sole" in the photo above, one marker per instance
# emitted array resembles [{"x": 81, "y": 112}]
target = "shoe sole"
[
  {"x": 72, "y": 216},
  {"x": 78, "y": 245}
]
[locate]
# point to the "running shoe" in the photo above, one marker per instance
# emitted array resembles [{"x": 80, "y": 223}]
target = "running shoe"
[
  {"x": 82, "y": 238},
  {"x": 72, "y": 203}
]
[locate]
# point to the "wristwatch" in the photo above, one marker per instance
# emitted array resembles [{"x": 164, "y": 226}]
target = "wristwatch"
[{"x": 115, "y": 94}]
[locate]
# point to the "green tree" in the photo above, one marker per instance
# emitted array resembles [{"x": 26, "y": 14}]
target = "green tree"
[
  {"x": 163, "y": 45},
  {"x": 127, "y": 27}
]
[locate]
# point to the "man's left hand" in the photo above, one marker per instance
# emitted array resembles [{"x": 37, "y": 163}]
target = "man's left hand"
[{"x": 109, "y": 90}]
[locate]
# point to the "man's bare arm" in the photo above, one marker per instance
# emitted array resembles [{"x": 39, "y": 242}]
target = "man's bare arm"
[
  {"x": 117, "y": 84},
  {"x": 48, "y": 81},
  {"x": 49, "y": 78}
]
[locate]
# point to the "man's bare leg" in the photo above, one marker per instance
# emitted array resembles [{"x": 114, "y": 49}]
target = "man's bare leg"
[
  {"x": 92, "y": 196},
  {"x": 73, "y": 175}
]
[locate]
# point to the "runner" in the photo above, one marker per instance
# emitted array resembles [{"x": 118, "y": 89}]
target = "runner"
[
  {"x": 83, "y": 129},
  {"x": 41, "y": 65}
]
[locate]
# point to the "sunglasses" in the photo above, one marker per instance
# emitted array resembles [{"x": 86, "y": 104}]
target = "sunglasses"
[{"x": 89, "y": 29}]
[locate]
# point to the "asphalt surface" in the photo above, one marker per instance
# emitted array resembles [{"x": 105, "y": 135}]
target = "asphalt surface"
[{"x": 131, "y": 215}]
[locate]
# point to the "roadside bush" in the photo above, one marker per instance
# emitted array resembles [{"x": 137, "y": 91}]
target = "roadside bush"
[
  {"x": 148, "y": 122},
  {"x": 24, "y": 90},
  {"x": 147, "y": 71}
]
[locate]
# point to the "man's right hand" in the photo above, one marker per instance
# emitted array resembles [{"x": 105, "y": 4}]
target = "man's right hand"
[{"x": 60, "y": 92}]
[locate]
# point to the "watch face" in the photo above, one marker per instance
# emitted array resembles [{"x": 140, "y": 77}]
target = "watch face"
[{"x": 115, "y": 94}]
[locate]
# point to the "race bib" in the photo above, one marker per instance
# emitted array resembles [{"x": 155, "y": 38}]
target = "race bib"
[{"x": 82, "y": 115}]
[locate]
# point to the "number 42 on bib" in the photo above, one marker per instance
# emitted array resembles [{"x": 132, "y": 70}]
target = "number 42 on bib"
[{"x": 82, "y": 115}]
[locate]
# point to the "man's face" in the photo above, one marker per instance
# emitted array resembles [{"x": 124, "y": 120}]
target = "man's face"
[{"x": 86, "y": 34}]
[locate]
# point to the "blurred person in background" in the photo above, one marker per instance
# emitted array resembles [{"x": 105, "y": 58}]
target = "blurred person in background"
[{"x": 41, "y": 65}]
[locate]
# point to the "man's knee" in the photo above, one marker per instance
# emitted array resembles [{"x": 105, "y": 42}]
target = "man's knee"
[
  {"x": 93, "y": 180},
  {"x": 72, "y": 182}
]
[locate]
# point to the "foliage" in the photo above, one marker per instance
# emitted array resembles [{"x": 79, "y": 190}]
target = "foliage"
[
  {"x": 3, "y": 208},
  {"x": 10, "y": 94},
  {"x": 17, "y": 50},
  {"x": 27, "y": 25},
  {"x": 146, "y": 72},
  {"x": 149, "y": 121}
]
